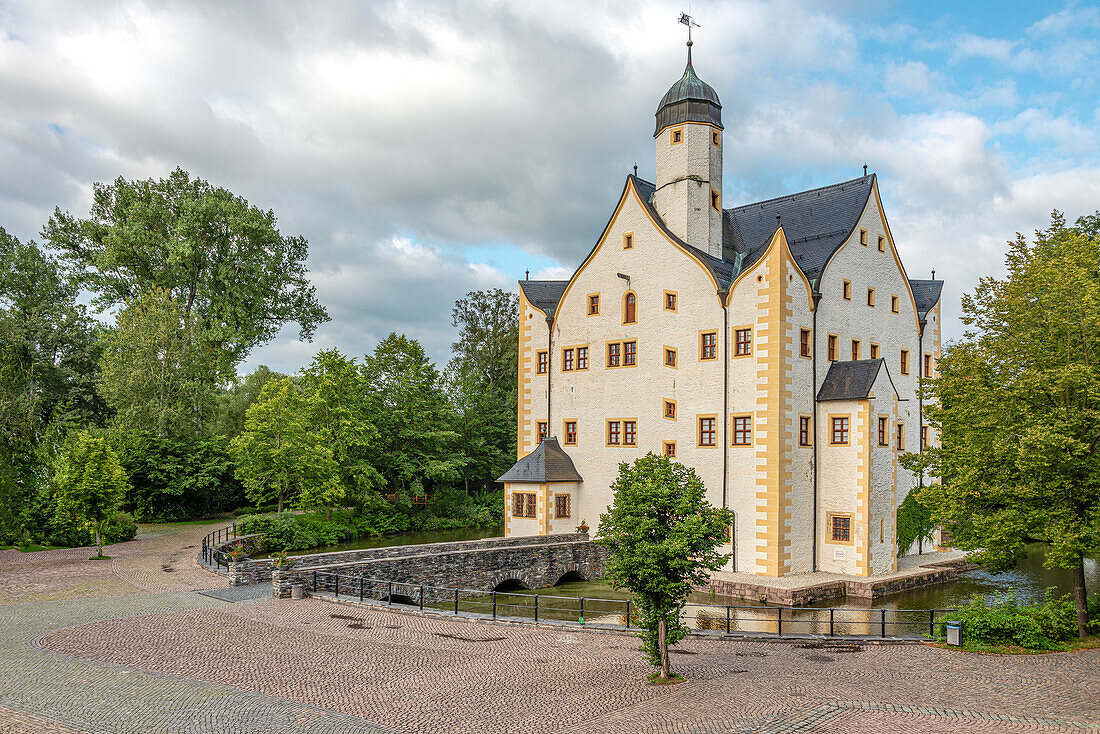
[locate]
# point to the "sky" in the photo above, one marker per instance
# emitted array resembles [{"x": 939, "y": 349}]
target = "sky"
[{"x": 429, "y": 149}]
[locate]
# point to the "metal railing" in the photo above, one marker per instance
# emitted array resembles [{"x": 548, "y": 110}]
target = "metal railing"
[
  {"x": 700, "y": 618},
  {"x": 210, "y": 553}
]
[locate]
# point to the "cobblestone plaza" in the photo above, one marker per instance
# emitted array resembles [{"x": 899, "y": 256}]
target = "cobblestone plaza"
[{"x": 151, "y": 642}]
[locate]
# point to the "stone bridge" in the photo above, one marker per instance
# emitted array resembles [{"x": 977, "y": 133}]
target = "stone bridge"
[{"x": 475, "y": 565}]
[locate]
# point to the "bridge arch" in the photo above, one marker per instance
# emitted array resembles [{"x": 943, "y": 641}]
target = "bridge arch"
[{"x": 511, "y": 581}]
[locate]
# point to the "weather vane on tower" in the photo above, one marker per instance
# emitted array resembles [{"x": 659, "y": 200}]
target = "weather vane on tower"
[{"x": 687, "y": 20}]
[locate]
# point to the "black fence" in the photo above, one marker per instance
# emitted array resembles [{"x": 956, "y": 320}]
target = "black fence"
[
  {"x": 210, "y": 554},
  {"x": 622, "y": 614}
]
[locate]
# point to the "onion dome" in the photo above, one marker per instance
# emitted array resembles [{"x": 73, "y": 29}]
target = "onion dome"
[{"x": 689, "y": 100}]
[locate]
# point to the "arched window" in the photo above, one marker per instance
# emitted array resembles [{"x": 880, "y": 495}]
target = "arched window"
[{"x": 630, "y": 308}]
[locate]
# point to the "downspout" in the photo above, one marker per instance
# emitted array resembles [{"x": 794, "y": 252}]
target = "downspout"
[
  {"x": 549, "y": 367},
  {"x": 813, "y": 401},
  {"x": 920, "y": 414},
  {"x": 725, "y": 396}
]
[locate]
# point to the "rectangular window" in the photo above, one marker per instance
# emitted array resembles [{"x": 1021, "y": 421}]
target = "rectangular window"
[
  {"x": 847, "y": 291},
  {"x": 742, "y": 430},
  {"x": 523, "y": 504},
  {"x": 567, "y": 360},
  {"x": 893, "y": 304},
  {"x": 561, "y": 505},
  {"x": 883, "y": 431},
  {"x": 593, "y": 304},
  {"x": 742, "y": 342},
  {"x": 855, "y": 349},
  {"x": 541, "y": 430},
  {"x": 804, "y": 430},
  {"x": 832, "y": 348},
  {"x": 670, "y": 410},
  {"x": 863, "y": 237},
  {"x": 582, "y": 358},
  {"x": 881, "y": 243},
  {"x": 899, "y": 437},
  {"x": 871, "y": 297},
  {"x": 923, "y": 437},
  {"x": 614, "y": 354},
  {"x": 715, "y": 137},
  {"x": 708, "y": 345},
  {"x": 670, "y": 357},
  {"x": 927, "y": 365},
  {"x": 715, "y": 200},
  {"x": 670, "y": 301},
  {"x": 630, "y": 354},
  {"x": 542, "y": 361},
  {"x": 840, "y": 528},
  {"x": 905, "y": 361},
  {"x": 676, "y": 135},
  {"x": 613, "y": 436},
  {"x": 570, "y": 433},
  {"x": 804, "y": 343},
  {"x": 839, "y": 434},
  {"x": 706, "y": 431},
  {"x": 669, "y": 449},
  {"x": 874, "y": 350},
  {"x": 628, "y": 241},
  {"x": 630, "y": 433}
]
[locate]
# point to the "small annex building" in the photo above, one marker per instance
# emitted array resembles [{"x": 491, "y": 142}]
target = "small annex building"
[{"x": 775, "y": 346}]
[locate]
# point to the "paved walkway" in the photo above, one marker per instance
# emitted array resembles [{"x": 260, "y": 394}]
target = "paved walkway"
[{"x": 156, "y": 659}]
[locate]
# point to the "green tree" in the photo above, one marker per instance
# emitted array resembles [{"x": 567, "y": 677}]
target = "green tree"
[
  {"x": 663, "y": 537},
  {"x": 236, "y": 278},
  {"x": 337, "y": 392},
  {"x": 154, "y": 373},
  {"x": 234, "y": 401},
  {"x": 279, "y": 456},
  {"x": 48, "y": 354},
  {"x": 481, "y": 383},
  {"x": 416, "y": 439},
  {"x": 1017, "y": 402},
  {"x": 90, "y": 483}
]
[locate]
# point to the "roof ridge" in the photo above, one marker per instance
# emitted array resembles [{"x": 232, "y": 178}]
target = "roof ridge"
[{"x": 829, "y": 187}]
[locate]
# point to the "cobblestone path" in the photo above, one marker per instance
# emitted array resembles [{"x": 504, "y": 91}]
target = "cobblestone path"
[{"x": 141, "y": 650}]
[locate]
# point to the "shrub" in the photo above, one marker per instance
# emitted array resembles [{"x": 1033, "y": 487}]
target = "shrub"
[
  {"x": 71, "y": 533},
  {"x": 1034, "y": 627}
]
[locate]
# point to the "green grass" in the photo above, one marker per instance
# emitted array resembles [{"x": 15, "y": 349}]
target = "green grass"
[
  {"x": 983, "y": 649},
  {"x": 32, "y": 547},
  {"x": 673, "y": 679}
]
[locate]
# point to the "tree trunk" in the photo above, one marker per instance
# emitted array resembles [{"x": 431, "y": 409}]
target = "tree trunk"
[
  {"x": 662, "y": 647},
  {"x": 99, "y": 542},
  {"x": 1080, "y": 597},
  {"x": 328, "y": 513},
  {"x": 280, "y": 510}
]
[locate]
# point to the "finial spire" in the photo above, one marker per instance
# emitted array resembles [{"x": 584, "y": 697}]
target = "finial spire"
[
  {"x": 527, "y": 275},
  {"x": 687, "y": 20},
  {"x": 864, "y": 169},
  {"x": 933, "y": 273},
  {"x": 635, "y": 170}
]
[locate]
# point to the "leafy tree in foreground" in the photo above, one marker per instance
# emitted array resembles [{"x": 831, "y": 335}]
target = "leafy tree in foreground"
[
  {"x": 1017, "y": 402},
  {"x": 663, "y": 537},
  {"x": 279, "y": 457},
  {"x": 91, "y": 483}
]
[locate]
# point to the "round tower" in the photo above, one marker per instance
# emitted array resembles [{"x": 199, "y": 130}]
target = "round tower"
[{"x": 688, "y": 142}]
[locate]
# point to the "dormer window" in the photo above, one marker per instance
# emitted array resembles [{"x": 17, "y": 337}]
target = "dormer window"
[
  {"x": 676, "y": 136},
  {"x": 715, "y": 200}
]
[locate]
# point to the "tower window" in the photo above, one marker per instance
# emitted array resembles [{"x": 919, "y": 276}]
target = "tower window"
[
  {"x": 542, "y": 360},
  {"x": 742, "y": 430},
  {"x": 804, "y": 430},
  {"x": 676, "y": 135},
  {"x": 804, "y": 341},
  {"x": 855, "y": 349},
  {"x": 742, "y": 342},
  {"x": 899, "y": 437},
  {"x": 832, "y": 348},
  {"x": 905, "y": 361},
  {"x": 883, "y": 431},
  {"x": 670, "y": 300},
  {"x": 628, "y": 241},
  {"x": 670, "y": 409},
  {"x": 839, "y": 434},
  {"x": 715, "y": 201},
  {"x": 874, "y": 350},
  {"x": 840, "y": 528},
  {"x": 893, "y": 304},
  {"x": 927, "y": 365},
  {"x": 715, "y": 137},
  {"x": 863, "y": 237},
  {"x": 670, "y": 357},
  {"x": 881, "y": 243},
  {"x": 871, "y": 297},
  {"x": 847, "y": 292}
]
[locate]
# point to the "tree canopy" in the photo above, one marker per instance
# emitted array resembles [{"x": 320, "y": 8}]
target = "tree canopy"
[
  {"x": 1017, "y": 402},
  {"x": 663, "y": 537},
  {"x": 90, "y": 483}
]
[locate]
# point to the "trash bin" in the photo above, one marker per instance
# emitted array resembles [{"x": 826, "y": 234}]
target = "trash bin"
[
  {"x": 954, "y": 633},
  {"x": 296, "y": 591}
]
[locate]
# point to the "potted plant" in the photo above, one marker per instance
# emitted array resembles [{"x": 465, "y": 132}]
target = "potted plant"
[{"x": 583, "y": 527}]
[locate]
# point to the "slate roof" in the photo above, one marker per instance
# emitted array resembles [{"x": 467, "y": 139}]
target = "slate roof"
[
  {"x": 547, "y": 463},
  {"x": 850, "y": 380},
  {"x": 544, "y": 294},
  {"x": 926, "y": 293},
  {"x": 817, "y": 222}
]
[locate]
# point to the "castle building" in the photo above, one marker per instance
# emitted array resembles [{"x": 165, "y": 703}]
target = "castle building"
[{"x": 775, "y": 347}]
